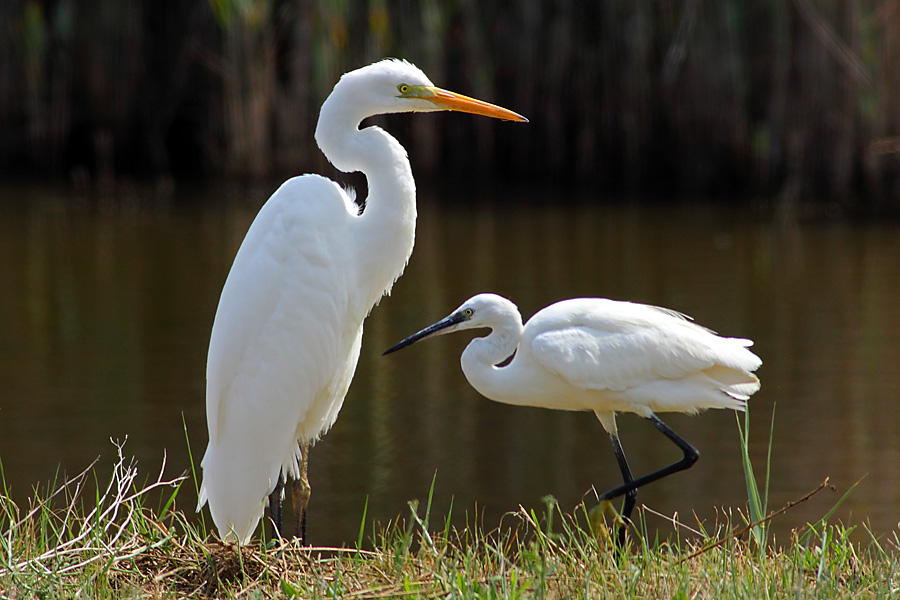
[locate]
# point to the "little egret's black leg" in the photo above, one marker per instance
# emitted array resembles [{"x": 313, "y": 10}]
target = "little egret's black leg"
[
  {"x": 691, "y": 455},
  {"x": 630, "y": 495},
  {"x": 276, "y": 509},
  {"x": 300, "y": 494}
]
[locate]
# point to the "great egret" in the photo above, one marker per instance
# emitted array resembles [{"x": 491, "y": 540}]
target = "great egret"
[
  {"x": 607, "y": 357},
  {"x": 288, "y": 328}
]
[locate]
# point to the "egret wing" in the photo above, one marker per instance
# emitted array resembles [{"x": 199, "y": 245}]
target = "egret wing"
[
  {"x": 286, "y": 254},
  {"x": 260, "y": 382},
  {"x": 608, "y": 345}
]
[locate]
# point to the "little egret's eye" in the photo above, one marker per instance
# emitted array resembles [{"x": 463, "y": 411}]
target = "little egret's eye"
[
  {"x": 403, "y": 88},
  {"x": 468, "y": 312}
]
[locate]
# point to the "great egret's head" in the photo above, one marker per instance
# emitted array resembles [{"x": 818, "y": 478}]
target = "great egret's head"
[
  {"x": 393, "y": 86},
  {"x": 481, "y": 311}
]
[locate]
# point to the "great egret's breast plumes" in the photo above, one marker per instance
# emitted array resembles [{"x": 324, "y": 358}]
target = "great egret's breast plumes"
[{"x": 288, "y": 329}]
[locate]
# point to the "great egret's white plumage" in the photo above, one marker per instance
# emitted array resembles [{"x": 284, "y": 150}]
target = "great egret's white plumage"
[
  {"x": 603, "y": 356},
  {"x": 288, "y": 328}
]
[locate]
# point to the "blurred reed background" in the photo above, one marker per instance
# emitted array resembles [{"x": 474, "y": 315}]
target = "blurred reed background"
[{"x": 793, "y": 97}]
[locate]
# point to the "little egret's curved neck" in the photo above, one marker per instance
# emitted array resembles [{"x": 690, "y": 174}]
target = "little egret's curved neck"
[
  {"x": 480, "y": 358},
  {"x": 387, "y": 228}
]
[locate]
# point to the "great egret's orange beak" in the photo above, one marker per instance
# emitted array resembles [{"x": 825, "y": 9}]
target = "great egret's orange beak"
[{"x": 457, "y": 102}]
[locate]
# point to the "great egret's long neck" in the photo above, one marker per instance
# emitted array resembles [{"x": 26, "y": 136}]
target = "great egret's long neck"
[
  {"x": 386, "y": 230},
  {"x": 481, "y": 356}
]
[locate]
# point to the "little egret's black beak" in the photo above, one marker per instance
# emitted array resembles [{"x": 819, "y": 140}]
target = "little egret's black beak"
[{"x": 436, "y": 329}]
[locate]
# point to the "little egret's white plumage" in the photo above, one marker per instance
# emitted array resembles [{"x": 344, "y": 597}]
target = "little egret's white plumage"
[
  {"x": 288, "y": 328},
  {"x": 603, "y": 356}
]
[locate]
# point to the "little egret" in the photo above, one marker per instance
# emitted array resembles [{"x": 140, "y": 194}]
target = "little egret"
[
  {"x": 603, "y": 356},
  {"x": 288, "y": 328}
]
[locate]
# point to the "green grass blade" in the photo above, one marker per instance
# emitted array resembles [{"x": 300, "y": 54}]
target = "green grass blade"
[
  {"x": 754, "y": 503},
  {"x": 824, "y": 520},
  {"x": 362, "y": 525},
  {"x": 765, "y": 499}
]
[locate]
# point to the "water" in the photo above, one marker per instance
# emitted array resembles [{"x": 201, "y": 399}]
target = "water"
[{"x": 106, "y": 307}]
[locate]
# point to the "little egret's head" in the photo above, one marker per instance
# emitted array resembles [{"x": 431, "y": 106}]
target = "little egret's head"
[
  {"x": 483, "y": 310},
  {"x": 394, "y": 86}
]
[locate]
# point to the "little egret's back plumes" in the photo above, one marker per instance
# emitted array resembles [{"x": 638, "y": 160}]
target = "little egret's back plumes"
[
  {"x": 288, "y": 329},
  {"x": 603, "y": 356}
]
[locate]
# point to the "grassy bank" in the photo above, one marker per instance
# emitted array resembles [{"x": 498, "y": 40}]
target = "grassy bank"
[{"x": 118, "y": 543}]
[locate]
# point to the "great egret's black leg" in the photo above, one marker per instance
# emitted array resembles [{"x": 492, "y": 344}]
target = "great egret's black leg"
[
  {"x": 276, "y": 509},
  {"x": 300, "y": 494},
  {"x": 630, "y": 495},
  {"x": 691, "y": 455}
]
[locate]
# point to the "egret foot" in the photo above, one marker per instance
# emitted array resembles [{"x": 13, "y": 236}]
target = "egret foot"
[
  {"x": 276, "y": 509},
  {"x": 300, "y": 493},
  {"x": 597, "y": 519},
  {"x": 300, "y": 498}
]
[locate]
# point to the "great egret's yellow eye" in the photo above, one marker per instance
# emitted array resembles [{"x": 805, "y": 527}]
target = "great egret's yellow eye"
[
  {"x": 468, "y": 312},
  {"x": 403, "y": 88}
]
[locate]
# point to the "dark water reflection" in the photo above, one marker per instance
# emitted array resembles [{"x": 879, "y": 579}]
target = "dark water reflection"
[{"x": 105, "y": 314}]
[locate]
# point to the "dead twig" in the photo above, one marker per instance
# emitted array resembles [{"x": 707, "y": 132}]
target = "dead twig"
[{"x": 742, "y": 531}]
